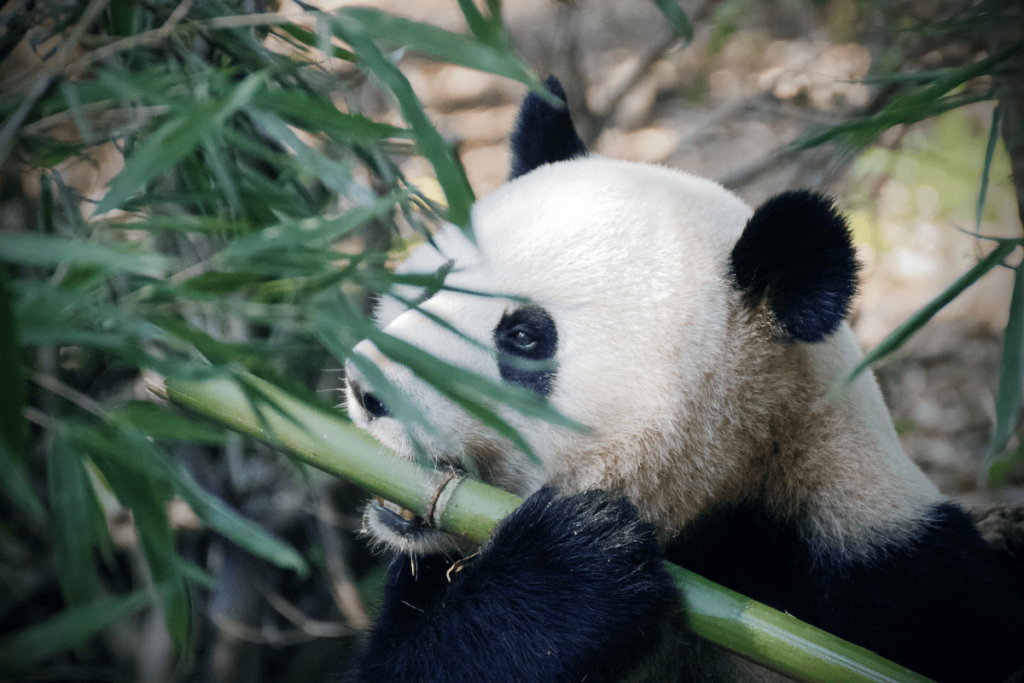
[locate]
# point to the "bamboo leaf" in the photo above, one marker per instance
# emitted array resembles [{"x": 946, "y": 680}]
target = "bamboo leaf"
[
  {"x": 71, "y": 507},
  {"x": 488, "y": 30},
  {"x": 464, "y": 388},
  {"x": 676, "y": 18},
  {"x": 314, "y": 231},
  {"x": 244, "y": 532},
  {"x": 68, "y": 630},
  {"x": 158, "y": 422},
  {"x": 449, "y": 171},
  {"x": 33, "y": 249},
  {"x": 179, "y": 223},
  {"x": 216, "y": 282},
  {"x": 338, "y": 338},
  {"x": 990, "y": 149},
  {"x": 176, "y": 139},
  {"x": 310, "y": 39},
  {"x": 197, "y": 575},
  {"x": 467, "y": 385},
  {"x": 1011, "y": 375},
  {"x": 311, "y": 160},
  {"x": 316, "y": 114},
  {"x": 140, "y": 488},
  {"x": 158, "y": 467},
  {"x": 901, "y": 334},
  {"x": 436, "y": 42},
  {"x": 217, "y": 163}
]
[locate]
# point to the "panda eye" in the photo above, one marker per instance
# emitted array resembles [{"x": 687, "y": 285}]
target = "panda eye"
[
  {"x": 527, "y": 332},
  {"x": 525, "y": 339}
]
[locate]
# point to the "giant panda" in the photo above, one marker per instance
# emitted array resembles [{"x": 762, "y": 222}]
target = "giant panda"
[{"x": 699, "y": 340}]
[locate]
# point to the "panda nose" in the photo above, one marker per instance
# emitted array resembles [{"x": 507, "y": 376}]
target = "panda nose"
[{"x": 371, "y": 404}]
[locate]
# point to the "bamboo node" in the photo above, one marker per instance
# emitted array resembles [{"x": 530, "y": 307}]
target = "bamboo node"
[{"x": 436, "y": 506}]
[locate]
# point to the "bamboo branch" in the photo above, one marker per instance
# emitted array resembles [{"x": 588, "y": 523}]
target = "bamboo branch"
[{"x": 468, "y": 507}]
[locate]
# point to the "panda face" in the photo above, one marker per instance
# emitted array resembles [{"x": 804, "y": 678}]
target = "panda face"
[
  {"x": 696, "y": 338},
  {"x": 618, "y": 312}
]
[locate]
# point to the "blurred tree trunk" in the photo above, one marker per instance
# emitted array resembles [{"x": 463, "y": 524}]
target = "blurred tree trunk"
[{"x": 1009, "y": 85}]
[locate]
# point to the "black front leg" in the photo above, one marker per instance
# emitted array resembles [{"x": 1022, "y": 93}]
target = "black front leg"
[{"x": 567, "y": 589}]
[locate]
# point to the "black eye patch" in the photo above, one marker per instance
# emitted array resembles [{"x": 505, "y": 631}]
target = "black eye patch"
[{"x": 526, "y": 340}]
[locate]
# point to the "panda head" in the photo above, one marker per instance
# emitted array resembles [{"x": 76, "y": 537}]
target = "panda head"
[{"x": 648, "y": 304}]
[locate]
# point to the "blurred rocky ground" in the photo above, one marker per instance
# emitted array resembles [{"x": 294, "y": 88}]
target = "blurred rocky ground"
[{"x": 756, "y": 77}]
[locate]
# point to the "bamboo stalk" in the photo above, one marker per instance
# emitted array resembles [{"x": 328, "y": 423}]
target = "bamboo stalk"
[{"x": 468, "y": 507}]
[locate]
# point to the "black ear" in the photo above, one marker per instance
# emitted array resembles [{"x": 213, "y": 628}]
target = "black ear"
[
  {"x": 544, "y": 134},
  {"x": 796, "y": 255}
]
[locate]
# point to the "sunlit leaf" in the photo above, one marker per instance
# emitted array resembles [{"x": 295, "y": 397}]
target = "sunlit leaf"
[
  {"x": 923, "y": 102},
  {"x": 436, "y": 42},
  {"x": 990, "y": 149},
  {"x": 316, "y": 114},
  {"x": 489, "y": 30}
]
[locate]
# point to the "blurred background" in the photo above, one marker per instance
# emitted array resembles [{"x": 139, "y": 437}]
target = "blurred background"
[{"x": 199, "y": 187}]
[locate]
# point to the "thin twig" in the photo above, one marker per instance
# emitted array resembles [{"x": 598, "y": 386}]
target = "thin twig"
[
  {"x": 600, "y": 119},
  {"x": 720, "y": 115},
  {"x": 244, "y": 20},
  {"x": 153, "y": 37},
  {"x": 742, "y": 176},
  {"x": 786, "y": 152},
  {"x": 343, "y": 585},
  {"x": 267, "y": 635},
  {"x": 38, "y": 417},
  {"x": 653, "y": 55},
  {"x": 141, "y": 115},
  {"x": 315, "y": 628},
  {"x": 64, "y": 391}
]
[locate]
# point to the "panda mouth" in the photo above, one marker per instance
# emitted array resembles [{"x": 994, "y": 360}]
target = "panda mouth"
[
  {"x": 397, "y": 519},
  {"x": 405, "y": 530}
]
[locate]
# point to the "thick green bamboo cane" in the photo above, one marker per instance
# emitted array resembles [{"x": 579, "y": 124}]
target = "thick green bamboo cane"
[{"x": 471, "y": 508}]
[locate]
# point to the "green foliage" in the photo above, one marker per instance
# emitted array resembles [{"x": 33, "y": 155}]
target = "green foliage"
[
  {"x": 901, "y": 334},
  {"x": 255, "y": 214}
]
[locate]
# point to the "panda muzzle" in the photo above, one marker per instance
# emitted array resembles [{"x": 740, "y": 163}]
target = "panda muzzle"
[{"x": 397, "y": 518}]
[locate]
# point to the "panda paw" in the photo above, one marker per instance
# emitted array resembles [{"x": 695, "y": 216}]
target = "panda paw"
[
  {"x": 588, "y": 555},
  {"x": 568, "y": 588},
  {"x": 592, "y": 536}
]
